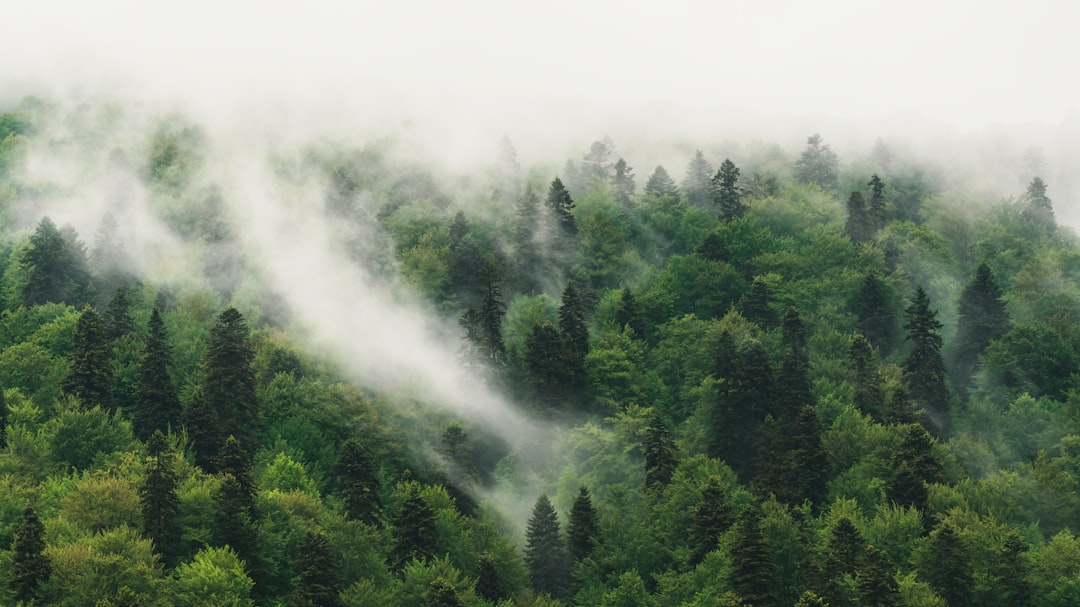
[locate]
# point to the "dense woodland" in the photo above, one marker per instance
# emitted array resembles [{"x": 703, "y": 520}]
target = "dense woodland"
[{"x": 783, "y": 378}]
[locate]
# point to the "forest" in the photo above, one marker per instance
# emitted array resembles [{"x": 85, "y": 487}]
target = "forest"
[{"x": 777, "y": 378}]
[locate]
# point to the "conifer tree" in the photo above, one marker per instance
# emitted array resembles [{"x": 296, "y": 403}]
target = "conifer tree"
[
  {"x": 697, "y": 185},
  {"x": 527, "y": 258},
  {"x": 544, "y": 352},
  {"x": 753, "y": 573},
  {"x": 30, "y": 566},
  {"x": 869, "y": 396},
  {"x": 914, "y": 465},
  {"x": 319, "y": 582},
  {"x": 745, "y": 401},
  {"x": 574, "y": 332},
  {"x": 489, "y": 584},
  {"x": 117, "y": 317},
  {"x": 859, "y": 225},
  {"x": 483, "y": 324},
  {"x": 561, "y": 207},
  {"x": 982, "y": 319},
  {"x": 845, "y": 553},
  {"x": 415, "y": 536},
  {"x": 948, "y": 571},
  {"x": 810, "y": 462},
  {"x": 441, "y": 593},
  {"x": 793, "y": 383},
  {"x": 583, "y": 529},
  {"x": 817, "y": 164},
  {"x": 157, "y": 405},
  {"x": 108, "y": 259},
  {"x": 235, "y": 461},
  {"x": 660, "y": 454},
  {"x": 877, "y": 321},
  {"x": 55, "y": 267},
  {"x": 623, "y": 184},
  {"x": 545, "y": 552},
  {"x": 203, "y": 430},
  {"x": 234, "y": 526},
  {"x": 876, "y": 582},
  {"x": 358, "y": 481},
  {"x": 628, "y": 315},
  {"x": 876, "y": 207},
  {"x": 1037, "y": 207},
  {"x": 713, "y": 248},
  {"x": 1011, "y": 574},
  {"x": 661, "y": 184},
  {"x": 3, "y": 419},
  {"x": 924, "y": 368},
  {"x": 755, "y": 305},
  {"x": 89, "y": 377},
  {"x": 713, "y": 515},
  {"x": 159, "y": 501},
  {"x": 726, "y": 193},
  {"x": 229, "y": 387}
]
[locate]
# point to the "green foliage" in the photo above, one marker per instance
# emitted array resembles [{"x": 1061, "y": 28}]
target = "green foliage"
[
  {"x": 79, "y": 438},
  {"x": 215, "y": 577},
  {"x": 545, "y": 551}
]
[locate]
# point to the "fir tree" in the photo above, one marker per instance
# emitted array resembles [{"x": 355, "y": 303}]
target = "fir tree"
[
  {"x": 860, "y": 224},
  {"x": 358, "y": 482},
  {"x": 876, "y": 582},
  {"x": 3, "y": 419},
  {"x": 876, "y": 207},
  {"x": 623, "y": 184},
  {"x": 913, "y": 466},
  {"x": 1010, "y": 576},
  {"x": 89, "y": 377},
  {"x": 527, "y": 258},
  {"x": 483, "y": 324},
  {"x": 753, "y": 574},
  {"x": 628, "y": 315},
  {"x": 713, "y": 515},
  {"x": 117, "y": 318},
  {"x": 661, "y": 184},
  {"x": 229, "y": 387},
  {"x": 793, "y": 383},
  {"x": 235, "y": 461},
  {"x": 869, "y": 396},
  {"x": 924, "y": 369},
  {"x": 583, "y": 530},
  {"x": 877, "y": 322},
  {"x": 545, "y": 553},
  {"x": 817, "y": 164},
  {"x": 489, "y": 584},
  {"x": 1037, "y": 207},
  {"x": 574, "y": 333},
  {"x": 660, "y": 454},
  {"x": 755, "y": 305},
  {"x": 597, "y": 164},
  {"x": 159, "y": 501},
  {"x": 319, "y": 582},
  {"x": 810, "y": 462},
  {"x": 713, "y": 248},
  {"x": 30, "y": 566},
  {"x": 845, "y": 553},
  {"x": 982, "y": 319},
  {"x": 235, "y": 527},
  {"x": 157, "y": 405},
  {"x": 561, "y": 207},
  {"x": 108, "y": 259},
  {"x": 543, "y": 364},
  {"x": 54, "y": 271},
  {"x": 745, "y": 401},
  {"x": 415, "y": 535},
  {"x": 948, "y": 571},
  {"x": 203, "y": 430},
  {"x": 697, "y": 185},
  {"x": 726, "y": 193},
  {"x": 441, "y": 593}
]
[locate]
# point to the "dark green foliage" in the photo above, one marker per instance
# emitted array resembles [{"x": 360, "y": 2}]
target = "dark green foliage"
[
  {"x": 793, "y": 382},
  {"x": 623, "y": 183},
  {"x": 713, "y": 515},
  {"x": 55, "y": 267},
  {"x": 489, "y": 584},
  {"x": 810, "y": 461},
  {"x": 860, "y": 223},
  {"x": 628, "y": 315},
  {"x": 726, "y": 193},
  {"x": 661, "y": 184},
  {"x": 661, "y": 454},
  {"x": 1010, "y": 574},
  {"x": 235, "y": 462},
  {"x": 561, "y": 207},
  {"x": 527, "y": 258},
  {"x": 3, "y": 420},
  {"x": 982, "y": 319},
  {"x": 441, "y": 593},
  {"x": 583, "y": 529},
  {"x": 713, "y": 248},
  {"x": 89, "y": 376},
  {"x": 845, "y": 555},
  {"x": 876, "y": 207},
  {"x": 157, "y": 405},
  {"x": 877, "y": 321},
  {"x": 753, "y": 572},
  {"x": 159, "y": 501},
  {"x": 543, "y": 356},
  {"x": 747, "y": 397},
  {"x": 869, "y": 396},
  {"x": 914, "y": 466},
  {"x": 545, "y": 552},
  {"x": 415, "y": 536},
  {"x": 117, "y": 317},
  {"x": 1037, "y": 207},
  {"x": 30, "y": 566},
  {"x": 817, "y": 164},
  {"x": 235, "y": 527},
  {"x": 229, "y": 387},
  {"x": 924, "y": 368},
  {"x": 483, "y": 324},
  {"x": 358, "y": 482},
  {"x": 948, "y": 571},
  {"x": 318, "y": 580},
  {"x": 876, "y": 583},
  {"x": 697, "y": 186},
  {"x": 755, "y": 305},
  {"x": 203, "y": 430}
]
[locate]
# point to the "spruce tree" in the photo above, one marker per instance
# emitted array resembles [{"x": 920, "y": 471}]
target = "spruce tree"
[
  {"x": 235, "y": 527},
  {"x": 545, "y": 552},
  {"x": 793, "y": 383},
  {"x": 30, "y": 566},
  {"x": 358, "y": 481},
  {"x": 3, "y": 419},
  {"x": 726, "y": 193},
  {"x": 560, "y": 205},
  {"x": 746, "y": 398},
  {"x": 235, "y": 461},
  {"x": 660, "y": 451},
  {"x": 628, "y": 315},
  {"x": 876, "y": 207},
  {"x": 753, "y": 572},
  {"x": 697, "y": 185},
  {"x": 876, "y": 582},
  {"x": 441, "y": 593},
  {"x": 159, "y": 501},
  {"x": 1010, "y": 576},
  {"x": 713, "y": 248},
  {"x": 203, "y": 430},
  {"x": 117, "y": 317},
  {"x": 544, "y": 352},
  {"x": 157, "y": 405},
  {"x": 877, "y": 321},
  {"x": 229, "y": 387},
  {"x": 755, "y": 305},
  {"x": 55, "y": 267},
  {"x": 817, "y": 164},
  {"x": 1037, "y": 207},
  {"x": 713, "y": 515},
  {"x": 489, "y": 584},
  {"x": 527, "y": 258},
  {"x": 810, "y": 462},
  {"x": 415, "y": 535},
  {"x": 869, "y": 395},
  {"x": 982, "y": 319},
  {"x": 948, "y": 571},
  {"x": 89, "y": 377},
  {"x": 583, "y": 529},
  {"x": 574, "y": 333},
  {"x": 913, "y": 467},
  {"x": 924, "y": 368},
  {"x": 859, "y": 225},
  {"x": 318, "y": 580},
  {"x": 661, "y": 184},
  {"x": 623, "y": 184},
  {"x": 845, "y": 554}
]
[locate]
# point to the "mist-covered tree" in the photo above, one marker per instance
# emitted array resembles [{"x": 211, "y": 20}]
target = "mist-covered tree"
[
  {"x": 982, "y": 319},
  {"x": 713, "y": 515},
  {"x": 597, "y": 166},
  {"x": 527, "y": 257},
  {"x": 30, "y": 566},
  {"x": 358, "y": 481},
  {"x": 561, "y": 206},
  {"x": 876, "y": 208},
  {"x": 415, "y": 535},
  {"x": 483, "y": 324},
  {"x": 661, "y": 184},
  {"x": 924, "y": 368},
  {"x": 726, "y": 193},
  {"x": 622, "y": 181},
  {"x": 229, "y": 387},
  {"x": 574, "y": 334},
  {"x": 157, "y": 404},
  {"x": 661, "y": 454},
  {"x": 116, "y": 319},
  {"x": 817, "y": 164},
  {"x": 877, "y": 321},
  {"x": 697, "y": 184},
  {"x": 860, "y": 223},
  {"x": 545, "y": 552},
  {"x": 869, "y": 394},
  {"x": 159, "y": 501},
  {"x": 583, "y": 528},
  {"x": 54, "y": 265},
  {"x": 109, "y": 261},
  {"x": 1037, "y": 206},
  {"x": 543, "y": 364},
  {"x": 89, "y": 376},
  {"x": 318, "y": 580}
]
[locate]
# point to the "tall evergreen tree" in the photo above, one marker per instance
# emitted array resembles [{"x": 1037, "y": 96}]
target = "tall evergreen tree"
[
  {"x": 483, "y": 324},
  {"x": 982, "y": 319},
  {"x": 596, "y": 165},
  {"x": 545, "y": 552},
  {"x": 53, "y": 267},
  {"x": 628, "y": 315},
  {"x": 543, "y": 365},
  {"x": 753, "y": 572},
  {"x": 623, "y": 183},
  {"x": 661, "y": 184},
  {"x": 159, "y": 501},
  {"x": 441, "y": 593},
  {"x": 860, "y": 224},
  {"x": 235, "y": 527},
  {"x": 1010, "y": 576},
  {"x": 319, "y": 581},
  {"x": 117, "y": 317},
  {"x": 527, "y": 258},
  {"x": 415, "y": 535},
  {"x": 229, "y": 386},
  {"x": 869, "y": 395},
  {"x": 924, "y": 368},
  {"x": 876, "y": 207},
  {"x": 845, "y": 552},
  {"x": 90, "y": 367},
  {"x": 583, "y": 529},
  {"x": 793, "y": 383},
  {"x": 817, "y": 164},
  {"x": 876, "y": 582},
  {"x": 235, "y": 461},
  {"x": 877, "y": 321},
  {"x": 109, "y": 261},
  {"x": 1037, "y": 207},
  {"x": 3, "y": 419},
  {"x": 697, "y": 185},
  {"x": 203, "y": 430},
  {"x": 30, "y": 566},
  {"x": 726, "y": 193},
  {"x": 809, "y": 458},
  {"x": 913, "y": 467},
  {"x": 489, "y": 584},
  {"x": 574, "y": 333},
  {"x": 561, "y": 206},
  {"x": 745, "y": 401},
  {"x": 755, "y": 305},
  {"x": 660, "y": 454},
  {"x": 713, "y": 515},
  {"x": 948, "y": 571},
  {"x": 157, "y": 404},
  {"x": 358, "y": 481}
]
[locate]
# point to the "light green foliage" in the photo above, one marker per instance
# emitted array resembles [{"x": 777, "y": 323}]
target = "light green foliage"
[
  {"x": 522, "y": 314},
  {"x": 628, "y": 592},
  {"x": 615, "y": 365},
  {"x": 99, "y": 566},
  {"x": 214, "y": 578},
  {"x": 79, "y": 438},
  {"x": 286, "y": 474},
  {"x": 419, "y": 576},
  {"x": 32, "y": 370},
  {"x": 893, "y": 530},
  {"x": 99, "y": 503}
]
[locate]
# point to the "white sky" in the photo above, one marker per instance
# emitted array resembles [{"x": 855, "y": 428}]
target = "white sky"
[{"x": 966, "y": 63}]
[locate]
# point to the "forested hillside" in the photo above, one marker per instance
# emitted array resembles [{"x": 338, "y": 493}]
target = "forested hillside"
[{"x": 775, "y": 378}]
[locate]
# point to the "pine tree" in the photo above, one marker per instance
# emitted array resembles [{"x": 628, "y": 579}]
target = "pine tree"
[
  {"x": 876, "y": 207},
  {"x": 483, "y": 324},
  {"x": 860, "y": 224},
  {"x": 1037, "y": 207},
  {"x": 157, "y": 405},
  {"x": 713, "y": 515},
  {"x": 623, "y": 184},
  {"x": 30, "y": 566},
  {"x": 726, "y": 193},
  {"x": 869, "y": 396},
  {"x": 877, "y": 322},
  {"x": 545, "y": 553},
  {"x": 697, "y": 185},
  {"x": 982, "y": 319},
  {"x": 229, "y": 386},
  {"x": 358, "y": 481},
  {"x": 924, "y": 368},
  {"x": 415, "y": 535},
  {"x": 235, "y": 461},
  {"x": 319, "y": 582},
  {"x": 817, "y": 164},
  {"x": 660, "y": 454},
  {"x": 561, "y": 207},
  {"x": 810, "y": 462},
  {"x": 89, "y": 377},
  {"x": 948, "y": 571},
  {"x": 913, "y": 466},
  {"x": 661, "y": 184},
  {"x": 583, "y": 530},
  {"x": 753, "y": 573},
  {"x": 159, "y": 501}
]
